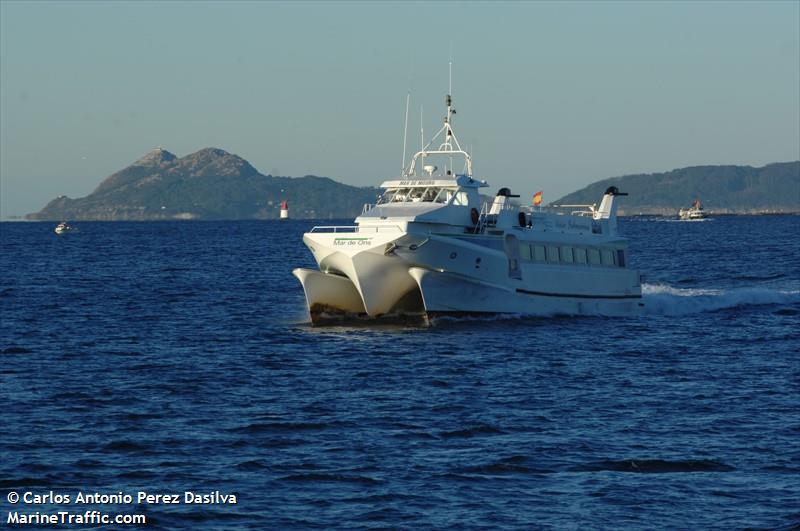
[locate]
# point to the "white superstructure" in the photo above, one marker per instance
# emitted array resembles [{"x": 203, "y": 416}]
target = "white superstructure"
[{"x": 432, "y": 246}]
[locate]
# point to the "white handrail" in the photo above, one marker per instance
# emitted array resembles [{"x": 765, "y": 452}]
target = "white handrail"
[
  {"x": 356, "y": 228},
  {"x": 335, "y": 228}
]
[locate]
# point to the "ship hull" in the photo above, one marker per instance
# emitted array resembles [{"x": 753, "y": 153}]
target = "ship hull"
[
  {"x": 378, "y": 274},
  {"x": 478, "y": 298},
  {"x": 359, "y": 275},
  {"x": 329, "y": 295},
  {"x": 486, "y": 274}
]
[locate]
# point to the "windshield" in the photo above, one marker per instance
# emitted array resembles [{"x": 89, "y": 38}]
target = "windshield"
[{"x": 431, "y": 194}]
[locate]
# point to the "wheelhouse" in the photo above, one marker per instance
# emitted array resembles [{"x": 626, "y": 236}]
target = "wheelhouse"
[{"x": 438, "y": 191}]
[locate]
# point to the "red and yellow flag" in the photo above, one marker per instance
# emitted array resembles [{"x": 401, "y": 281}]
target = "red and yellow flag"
[{"x": 537, "y": 198}]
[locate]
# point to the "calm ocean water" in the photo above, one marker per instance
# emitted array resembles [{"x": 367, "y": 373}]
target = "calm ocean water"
[{"x": 173, "y": 357}]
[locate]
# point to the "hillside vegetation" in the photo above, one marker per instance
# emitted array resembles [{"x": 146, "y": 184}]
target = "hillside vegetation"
[
  {"x": 774, "y": 188},
  {"x": 208, "y": 184}
]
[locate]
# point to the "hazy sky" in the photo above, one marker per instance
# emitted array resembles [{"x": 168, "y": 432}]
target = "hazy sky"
[{"x": 550, "y": 96}]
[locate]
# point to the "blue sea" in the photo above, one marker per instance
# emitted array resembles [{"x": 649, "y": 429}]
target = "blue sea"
[{"x": 177, "y": 357}]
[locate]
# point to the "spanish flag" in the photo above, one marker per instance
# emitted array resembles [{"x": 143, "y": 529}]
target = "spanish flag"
[{"x": 537, "y": 198}]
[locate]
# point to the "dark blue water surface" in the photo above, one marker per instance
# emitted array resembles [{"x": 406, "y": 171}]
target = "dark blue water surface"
[{"x": 172, "y": 357}]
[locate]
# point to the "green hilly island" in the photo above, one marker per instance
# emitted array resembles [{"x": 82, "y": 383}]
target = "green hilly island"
[
  {"x": 774, "y": 188},
  {"x": 208, "y": 184},
  {"x": 215, "y": 184}
]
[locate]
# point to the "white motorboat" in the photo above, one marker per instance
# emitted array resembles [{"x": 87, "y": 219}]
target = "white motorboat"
[
  {"x": 431, "y": 246},
  {"x": 64, "y": 227},
  {"x": 695, "y": 212}
]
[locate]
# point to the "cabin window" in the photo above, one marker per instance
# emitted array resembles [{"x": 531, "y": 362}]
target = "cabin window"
[
  {"x": 461, "y": 199},
  {"x": 580, "y": 255},
  {"x": 400, "y": 195},
  {"x": 538, "y": 253},
  {"x": 607, "y": 257},
  {"x": 387, "y": 196},
  {"x": 621, "y": 257},
  {"x": 566, "y": 255},
  {"x": 525, "y": 251},
  {"x": 432, "y": 195},
  {"x": 552, "y": 253},
  {"x": 445, "y": 195},
  {"x": 594, "y": 256}
]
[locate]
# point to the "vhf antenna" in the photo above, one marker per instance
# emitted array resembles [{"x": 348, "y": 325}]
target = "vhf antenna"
[{"x": 405, "y": 136}]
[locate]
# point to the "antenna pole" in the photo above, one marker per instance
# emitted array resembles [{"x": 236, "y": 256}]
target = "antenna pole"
[
  {"x": 421, "y": 136},
  {"x": 405, "y": 137},
  {"x": 448, "y": 120},
  {"x": 450, "y": 84}
]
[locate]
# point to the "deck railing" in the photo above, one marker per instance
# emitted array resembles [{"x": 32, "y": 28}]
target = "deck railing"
[{"x": 356, "y": 228}]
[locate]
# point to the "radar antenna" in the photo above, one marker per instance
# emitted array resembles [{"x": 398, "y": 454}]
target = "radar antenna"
[{"x": 449, "y": 145}]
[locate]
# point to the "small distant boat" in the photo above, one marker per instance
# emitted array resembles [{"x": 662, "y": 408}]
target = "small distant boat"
[
  {"x": 694, "y": 212},
  {"x": 64, "y": 227},
  {"x": 284, "y": 209}
]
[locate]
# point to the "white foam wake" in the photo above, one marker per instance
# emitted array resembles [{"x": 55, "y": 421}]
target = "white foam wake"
[{"x": 660, "y": 299}]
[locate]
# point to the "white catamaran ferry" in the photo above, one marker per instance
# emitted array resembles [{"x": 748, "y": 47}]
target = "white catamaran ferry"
[{"x": 431, "y": 246}]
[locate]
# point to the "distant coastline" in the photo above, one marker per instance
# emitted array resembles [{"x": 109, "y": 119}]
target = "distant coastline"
[
  {"x": 770, "y": 189},
  {"x": 212, "y": 184}
]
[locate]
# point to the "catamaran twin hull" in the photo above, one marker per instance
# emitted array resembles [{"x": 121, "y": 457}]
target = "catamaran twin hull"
[{"x": 385, "y": 272}]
